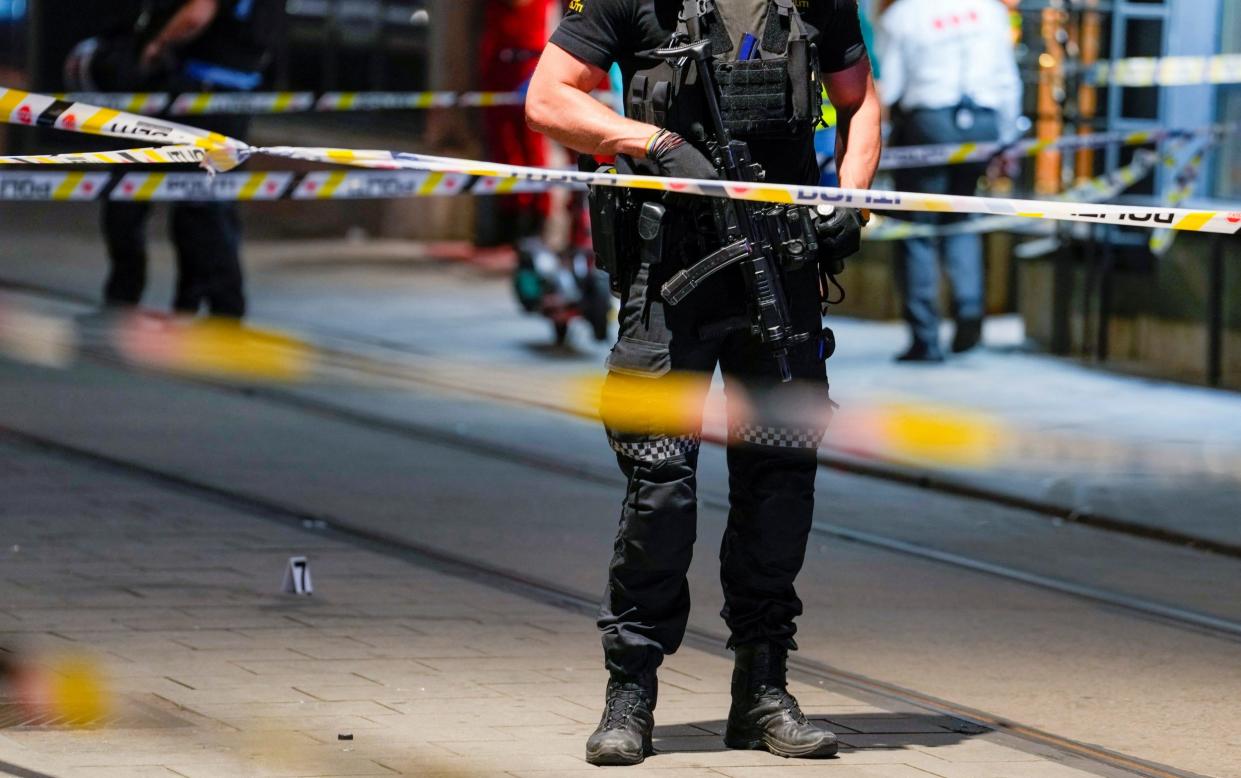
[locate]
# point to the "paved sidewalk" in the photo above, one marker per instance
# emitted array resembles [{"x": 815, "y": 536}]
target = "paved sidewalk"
[{"x": 218, "y": 674}]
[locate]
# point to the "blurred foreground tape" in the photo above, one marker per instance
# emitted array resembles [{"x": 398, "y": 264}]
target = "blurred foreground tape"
[
  {"x": 893, "y": 430},
  {"x": 669, "y": 405},
  {"x": 61, "y": 690},
  {"x": 215, "y": 348},
  {"x": 78, "y": 692},
  {"x": 936, "y": 435}
]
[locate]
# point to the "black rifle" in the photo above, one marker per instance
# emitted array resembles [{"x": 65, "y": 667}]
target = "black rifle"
[{"x": 758, "y": 236}]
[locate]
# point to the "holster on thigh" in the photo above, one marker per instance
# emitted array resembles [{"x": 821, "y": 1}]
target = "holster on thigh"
[{"x": 651, "y": 413}]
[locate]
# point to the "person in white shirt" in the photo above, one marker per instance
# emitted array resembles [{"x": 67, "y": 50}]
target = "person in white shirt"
[{"x": 949, "y": 76}]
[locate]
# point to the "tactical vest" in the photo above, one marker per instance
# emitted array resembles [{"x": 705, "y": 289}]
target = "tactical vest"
[{"x": 775, "y": 94}]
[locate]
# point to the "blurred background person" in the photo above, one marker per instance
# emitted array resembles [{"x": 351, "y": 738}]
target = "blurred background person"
[
  {"x": 181, "y": 46},
  {"x": 514, "y": 33},
  {"x": 949, "y": 76}
]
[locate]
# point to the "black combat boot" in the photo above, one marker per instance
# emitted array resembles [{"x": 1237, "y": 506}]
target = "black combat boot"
[
  {"x": 624, "y": 733},
  {"x": 764, "y": 715}
]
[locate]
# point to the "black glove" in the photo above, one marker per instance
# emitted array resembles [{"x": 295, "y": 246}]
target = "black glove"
[
  {"x": 840, "y": 237},
  {"x": 674, "y": 157}
]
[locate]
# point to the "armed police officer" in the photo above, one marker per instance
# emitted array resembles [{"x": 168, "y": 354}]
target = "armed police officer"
[{"x": 731, "y": 89}]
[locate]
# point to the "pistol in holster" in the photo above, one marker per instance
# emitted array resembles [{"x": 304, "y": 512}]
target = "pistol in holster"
[{"x": 627, "y": 231}]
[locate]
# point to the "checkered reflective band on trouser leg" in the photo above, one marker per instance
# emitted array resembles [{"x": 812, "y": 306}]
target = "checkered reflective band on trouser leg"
[
  {"x": 654, "y": 450},
  {"x": 777, "y": 436}
]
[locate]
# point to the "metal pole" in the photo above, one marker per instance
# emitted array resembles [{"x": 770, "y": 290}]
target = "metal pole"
[
  {"x": 331, "y": 48},
  {"x": 1062, "y": 299},
  {"x": 1215, "y": 314},
  {"x": 1103, "y": 346},
  {"x": 1090, "y": 251}
]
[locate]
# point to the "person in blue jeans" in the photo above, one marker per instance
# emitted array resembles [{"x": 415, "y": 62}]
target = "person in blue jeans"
[{"x": 950, "y": 76}]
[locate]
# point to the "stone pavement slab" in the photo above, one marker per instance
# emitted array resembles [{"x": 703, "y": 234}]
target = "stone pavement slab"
[{"x": 239, "y": 680}]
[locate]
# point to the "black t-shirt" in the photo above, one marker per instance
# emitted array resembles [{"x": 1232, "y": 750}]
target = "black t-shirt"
[{"x": 604, "y": 32}]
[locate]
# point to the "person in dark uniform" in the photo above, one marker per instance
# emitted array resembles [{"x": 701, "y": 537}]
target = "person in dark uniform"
[
  {"x": 192, "y": 46},
  {"x": 771, "y": 454}
]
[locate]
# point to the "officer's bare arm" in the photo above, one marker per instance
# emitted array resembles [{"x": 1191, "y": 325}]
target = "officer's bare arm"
[
  {"x": 560, "y": 106},
  {"x": 859, "y": 137},
  {"x": 190, "y": 21}
]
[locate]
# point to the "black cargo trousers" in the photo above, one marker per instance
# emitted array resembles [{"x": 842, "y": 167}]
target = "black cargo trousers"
[
  {"x": 774, "y": 432},
  {"x": 205, "y": 235}
]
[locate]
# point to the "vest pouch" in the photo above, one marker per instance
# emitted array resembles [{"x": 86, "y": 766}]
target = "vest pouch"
[
  {"x": 667, "y": 97},
  {"x": 770, "y": 98}
]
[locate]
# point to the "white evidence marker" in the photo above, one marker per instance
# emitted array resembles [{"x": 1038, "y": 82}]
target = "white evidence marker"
[{"x": 297, "y": 577}]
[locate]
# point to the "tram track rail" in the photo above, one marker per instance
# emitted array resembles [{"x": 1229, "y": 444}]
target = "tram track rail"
[
  {"x": 967, "y": 720},
  {"x": 1162, "y": 612},
  {"x": 876, "y": 470}
]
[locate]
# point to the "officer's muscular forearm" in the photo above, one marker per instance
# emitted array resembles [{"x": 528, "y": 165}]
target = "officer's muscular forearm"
[
  {"x": 859, "y": 143},
  {"x": 859, "y": 135},
  {"x": 560, "y": 106}
]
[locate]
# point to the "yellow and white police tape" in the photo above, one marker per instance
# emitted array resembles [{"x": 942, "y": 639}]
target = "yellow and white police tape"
[
  {"x": 39, "y": 186},
  {"x": 901, "y": 157},
  {"x": 1167, "y": 71},
  {"x": 206, "y": 103},
  {"x": 159, "y": 155},
  {"x": 257, "y": 103},
  {"x": 1131, "y": 72},
  {"x": 1223, "y": 222},
  {"x": 224, "y": 152},
  {"x": 1185, "y": 182},
  {"x": 1103, "y": 187},
  {"x": 34, "y": 110},
  {"x": 266, "y": 185}
]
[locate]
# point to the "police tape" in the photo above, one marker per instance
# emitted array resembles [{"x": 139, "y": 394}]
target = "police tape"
[
  {"x": 53, "y": 186},
  {"x": 1102, "y": 187},
  {"x": 1130, "y": 72},
  {"x": 162, "y": 155},
  {"x": 35, "y": 110},
  {"x": 262, "y": 103},
  {"x": 256, "y": 186},
  {"x": 1222, "y": 222},
  {"x": 1185, "y": 182},
  {"x": 224, "y": 153},
  {"x": 902, "y": 157},
  {"x": 1166, "y": 71}
]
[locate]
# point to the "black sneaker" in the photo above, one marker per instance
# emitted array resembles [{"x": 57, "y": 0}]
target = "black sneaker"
[
  {"x": 764, "y": 716},
  {"x": 921, "y": 352},
  {"x": 624, "y": 733},
  {"x": 968, "y": 335}
]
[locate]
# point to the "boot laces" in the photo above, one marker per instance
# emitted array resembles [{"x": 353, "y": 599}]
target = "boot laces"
[
  {"x": 789, "y": 703},
  {"x": 784, "y": 699},
  {"x": 621, "y": 704}
]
